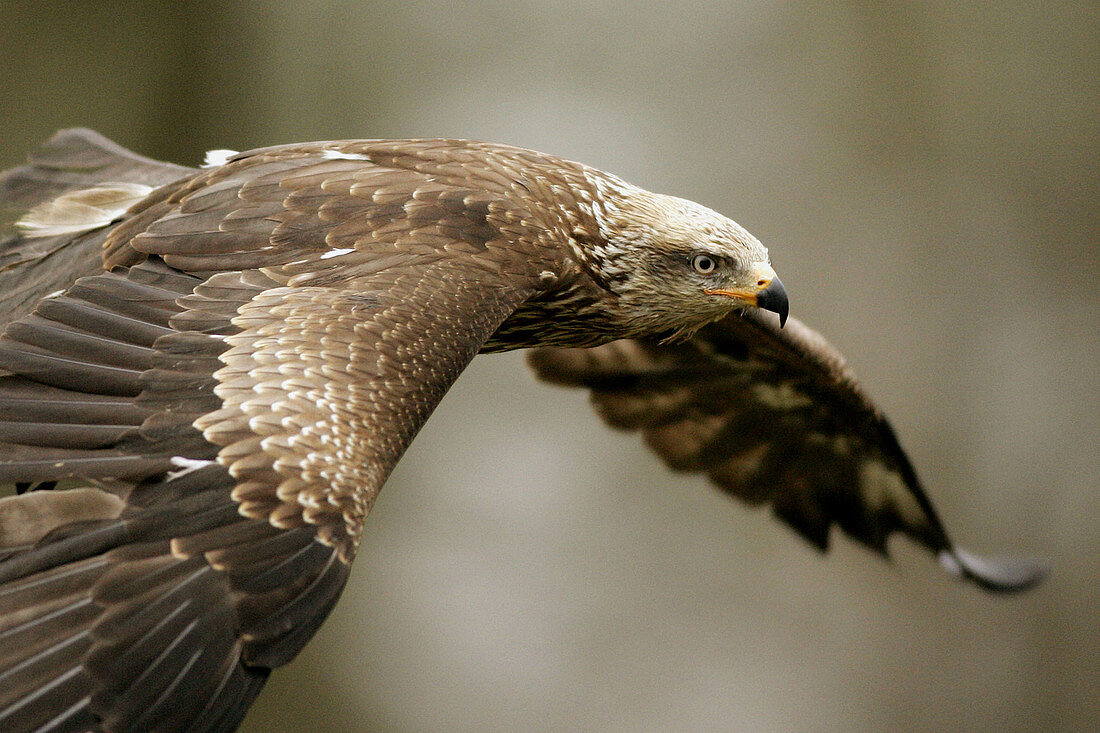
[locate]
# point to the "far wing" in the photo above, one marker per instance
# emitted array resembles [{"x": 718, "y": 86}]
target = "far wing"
[{"x": 772, "y": 416}]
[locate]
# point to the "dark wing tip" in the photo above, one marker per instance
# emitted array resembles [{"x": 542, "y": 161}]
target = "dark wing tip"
[{"x": 999, "y": 575}]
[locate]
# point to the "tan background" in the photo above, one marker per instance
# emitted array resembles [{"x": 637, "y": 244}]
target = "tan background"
[{"x": 927, "y": 180}]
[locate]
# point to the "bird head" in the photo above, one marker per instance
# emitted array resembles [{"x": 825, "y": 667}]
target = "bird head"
[{"x": 677, "y": 265}]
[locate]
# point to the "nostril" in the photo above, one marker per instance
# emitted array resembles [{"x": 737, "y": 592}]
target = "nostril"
[{"x": 762, "y": 283}]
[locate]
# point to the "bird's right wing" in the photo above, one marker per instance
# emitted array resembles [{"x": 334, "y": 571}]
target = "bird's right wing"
[{"x": 772, "y": 416}]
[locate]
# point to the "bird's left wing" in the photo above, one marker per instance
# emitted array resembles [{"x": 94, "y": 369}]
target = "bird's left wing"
[
  {"x": 220, "y": 434},
  {"x": 772, "y": 416}
]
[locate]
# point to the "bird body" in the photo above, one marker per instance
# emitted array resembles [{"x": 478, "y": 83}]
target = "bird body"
[{"x": 206, "y": 375}]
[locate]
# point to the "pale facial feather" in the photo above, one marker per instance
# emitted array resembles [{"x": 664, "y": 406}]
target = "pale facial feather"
[{"x": 649, "y": 240}]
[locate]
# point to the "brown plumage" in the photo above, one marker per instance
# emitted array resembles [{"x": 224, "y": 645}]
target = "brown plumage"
[{"x": 207, "y": 375}]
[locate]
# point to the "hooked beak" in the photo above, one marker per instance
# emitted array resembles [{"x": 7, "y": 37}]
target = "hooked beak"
[
  {"x": 774, "y": 298},
  {"x": 769, "y": 294}
]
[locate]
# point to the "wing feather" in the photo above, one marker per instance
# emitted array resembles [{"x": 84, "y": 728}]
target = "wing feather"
[
  {"x": 775, "y": 416},
  {"x": 217, "y": 433}
]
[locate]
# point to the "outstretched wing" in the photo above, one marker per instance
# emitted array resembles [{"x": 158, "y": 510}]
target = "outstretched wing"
[
  {"x": 72, "y": 161},
  {"x": 198, "y": 442},
  {"x": 772, "y": 416}
]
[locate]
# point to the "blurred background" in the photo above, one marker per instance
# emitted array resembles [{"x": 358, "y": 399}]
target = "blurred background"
[{"x": 926, "y": 176}]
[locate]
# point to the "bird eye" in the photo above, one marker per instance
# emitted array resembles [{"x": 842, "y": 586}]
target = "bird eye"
[{"x": 704, "y": 264}]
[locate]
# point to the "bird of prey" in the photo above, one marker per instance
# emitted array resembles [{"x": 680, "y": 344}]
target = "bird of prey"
[{"x": 206, "y": 375}]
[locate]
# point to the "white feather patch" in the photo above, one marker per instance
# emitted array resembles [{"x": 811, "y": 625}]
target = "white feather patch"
[
  {"x": 217, "y": 158},
  {"x": 336, "y": 253},
  {"x": 186, "y": 466},
  {"x": 80, "y": 211},
  {"x": 340, "y": 155}
]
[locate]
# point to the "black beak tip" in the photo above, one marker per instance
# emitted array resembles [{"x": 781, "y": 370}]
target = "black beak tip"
[{"x": 774, "y": 298}]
